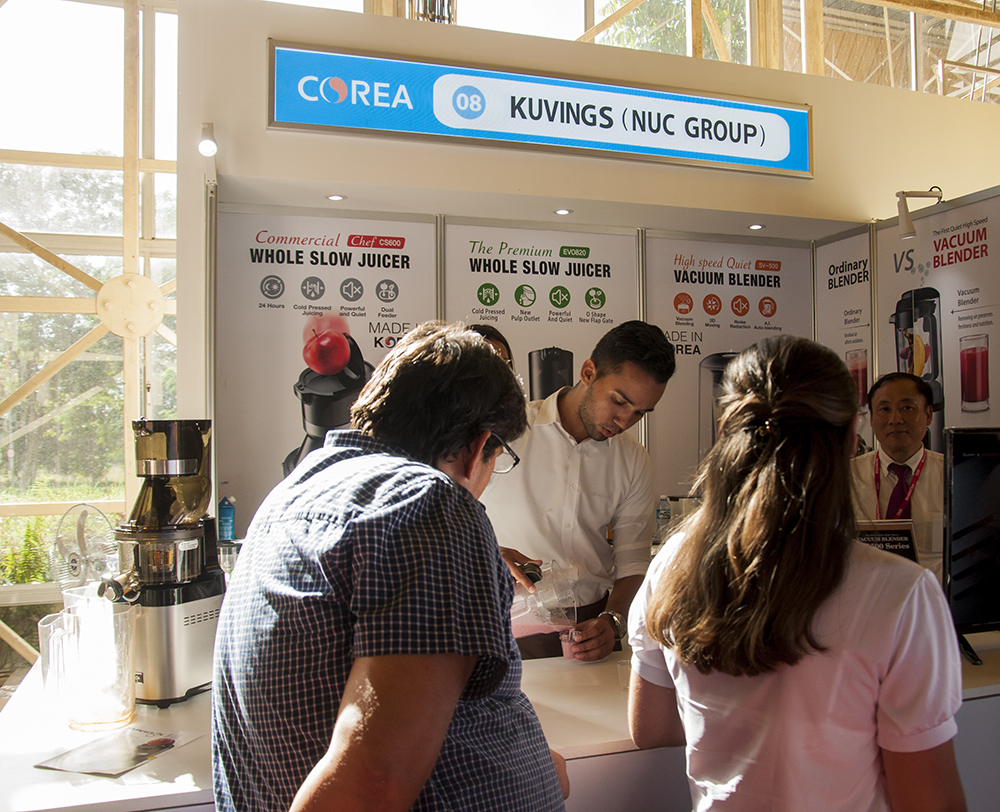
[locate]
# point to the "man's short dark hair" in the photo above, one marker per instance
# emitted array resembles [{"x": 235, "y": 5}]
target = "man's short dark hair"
[
  {"x": 437, "y": 390},
  {"x": 923, "y": 388},
  {"x": 642, "y": 344},
  {"x": 491, "y": 333}
]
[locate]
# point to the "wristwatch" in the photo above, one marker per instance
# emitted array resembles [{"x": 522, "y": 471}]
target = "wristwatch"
[{"x": 617, "y": 622}]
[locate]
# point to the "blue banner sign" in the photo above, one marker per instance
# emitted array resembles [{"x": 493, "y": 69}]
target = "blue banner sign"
[{"x": 369, "y": 94}]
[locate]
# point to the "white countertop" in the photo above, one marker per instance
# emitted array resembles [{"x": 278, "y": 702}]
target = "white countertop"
[
  {"x": 582, "y": 710},
  {"x": 580, "y": 705},
  {"x": 982, "y": 680},
  {"x": 179, "y": 777}
]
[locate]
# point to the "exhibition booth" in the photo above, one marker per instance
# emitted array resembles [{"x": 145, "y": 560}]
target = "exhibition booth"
[
  {"x": 446, "y": 208},
  {"x": 453, "y": 148},
  {"x": 457, "y": 220}
]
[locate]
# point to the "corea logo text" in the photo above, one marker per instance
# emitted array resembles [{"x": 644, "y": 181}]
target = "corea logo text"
[{"x": 334, "y": 90}]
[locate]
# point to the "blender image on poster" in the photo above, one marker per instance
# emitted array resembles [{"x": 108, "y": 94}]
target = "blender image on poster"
[
  {"x": 918, "y": 349},
  {"x": 327, "y": 388},
  {"x": 710, "y": 371}
]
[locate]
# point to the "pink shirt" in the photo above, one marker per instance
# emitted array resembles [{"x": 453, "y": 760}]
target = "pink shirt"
[{"x": 808, "y": 736}]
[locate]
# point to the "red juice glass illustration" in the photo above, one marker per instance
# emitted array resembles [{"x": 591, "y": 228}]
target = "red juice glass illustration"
[
  {"x": 974, "y": 354},
  {"x": 857, "y": 365}
]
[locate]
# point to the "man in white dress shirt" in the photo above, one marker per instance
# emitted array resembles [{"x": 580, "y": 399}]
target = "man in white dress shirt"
[
  {"x": 902, "y": 480},
  {"x": 581, "y": 475}
]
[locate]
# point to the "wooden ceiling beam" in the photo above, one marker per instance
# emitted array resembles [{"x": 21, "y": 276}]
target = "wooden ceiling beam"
[{"x": 961, "y": 12}]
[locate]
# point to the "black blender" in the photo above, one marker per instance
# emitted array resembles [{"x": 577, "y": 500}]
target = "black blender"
[
  {"x": 168, "y": 550},
  {"x": 549, "y": 370},
  {"x": 710, "y": 372},
  {"x": 918, "y": 349}
]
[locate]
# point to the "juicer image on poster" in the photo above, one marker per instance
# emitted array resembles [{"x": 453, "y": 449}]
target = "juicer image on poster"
[
  {"x": 334, "y": 375},
  {"x": 918, "y": 349},
  {"x": 549, "y": 370},
  {"x": 305, "y": 305}
]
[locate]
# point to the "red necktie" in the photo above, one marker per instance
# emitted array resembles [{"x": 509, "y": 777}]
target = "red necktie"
[{"x": 902, "y": 472}]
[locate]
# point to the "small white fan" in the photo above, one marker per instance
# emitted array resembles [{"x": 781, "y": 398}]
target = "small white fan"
[{"x": 84, "y": 549}]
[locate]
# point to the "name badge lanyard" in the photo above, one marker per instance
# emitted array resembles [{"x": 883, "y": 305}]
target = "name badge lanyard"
[{"x": 909, "y": 491}]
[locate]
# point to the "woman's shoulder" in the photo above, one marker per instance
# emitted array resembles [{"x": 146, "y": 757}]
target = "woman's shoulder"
[{"x": 878, "y": 575}]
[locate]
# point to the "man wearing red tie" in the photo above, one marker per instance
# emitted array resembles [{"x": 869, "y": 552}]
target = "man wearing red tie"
[{"x": 902, "y": 480}]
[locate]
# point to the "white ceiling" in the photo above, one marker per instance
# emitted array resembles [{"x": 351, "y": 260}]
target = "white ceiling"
[{"x": 540, "y": 211}]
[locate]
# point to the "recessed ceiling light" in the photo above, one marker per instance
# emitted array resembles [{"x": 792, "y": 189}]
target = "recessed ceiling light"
[
  {"x": 563, "y": 212},
  {"x": 756, "y": 227},
  {"x": 336, "y": 197}
]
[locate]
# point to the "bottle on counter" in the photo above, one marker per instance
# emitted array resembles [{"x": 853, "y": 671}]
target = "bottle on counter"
[
  {"x": 662, "y": 519},
  {"x": 227, "y": 518}
]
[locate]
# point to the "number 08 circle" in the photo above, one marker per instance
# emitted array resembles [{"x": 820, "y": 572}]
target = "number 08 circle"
[{"x": 468, "y": 102}]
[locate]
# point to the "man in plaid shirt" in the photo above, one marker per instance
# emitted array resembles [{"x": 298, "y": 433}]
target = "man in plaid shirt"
[{"x": 364, "y": 656}]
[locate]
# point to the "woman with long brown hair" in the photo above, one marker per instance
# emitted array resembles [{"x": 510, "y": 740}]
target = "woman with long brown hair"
[{"x": 802, "y": 669}]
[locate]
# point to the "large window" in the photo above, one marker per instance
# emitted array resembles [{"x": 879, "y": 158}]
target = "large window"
[
  {"x": 87, "y": 197},
  {"x": 956, "y": 53}
]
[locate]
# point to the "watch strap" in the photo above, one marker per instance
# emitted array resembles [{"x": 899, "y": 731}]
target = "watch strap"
[{"x": 617, "y": 622}]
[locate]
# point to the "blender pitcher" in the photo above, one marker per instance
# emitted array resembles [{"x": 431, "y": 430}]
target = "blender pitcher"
[
  {"x": 88, "y": 658},
  {"x": 550, "y": 608}
]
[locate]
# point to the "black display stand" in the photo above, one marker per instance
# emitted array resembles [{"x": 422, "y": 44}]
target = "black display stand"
[{"x": 972, "y": 531}]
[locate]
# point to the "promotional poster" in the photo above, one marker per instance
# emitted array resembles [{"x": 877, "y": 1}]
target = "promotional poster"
[
  {"x": 713, "y": 300},
  {"x": 843, "y": 315},
  {"x": 306, "y": 306},
  {"x": 290, "y": 289},
  {"x": 552, "y": 294},
  {"x": 938, "y": 300},
  {"x": 937, "y": 307}
]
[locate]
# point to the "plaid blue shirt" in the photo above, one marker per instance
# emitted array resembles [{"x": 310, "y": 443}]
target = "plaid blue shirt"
[{"x": 361, "y": 552}]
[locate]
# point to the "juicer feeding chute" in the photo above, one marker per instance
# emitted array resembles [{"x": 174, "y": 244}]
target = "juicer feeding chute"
[{"x": 327, "y": 400}]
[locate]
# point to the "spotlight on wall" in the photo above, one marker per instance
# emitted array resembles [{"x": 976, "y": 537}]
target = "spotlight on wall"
[
  {"x": 336, "y": 198},
  {"x": 563, "y": 212},
  {"x": 207, "y": 145},
  {"x": 906, "y": 228},
  {"x": 755, "y": 227}
]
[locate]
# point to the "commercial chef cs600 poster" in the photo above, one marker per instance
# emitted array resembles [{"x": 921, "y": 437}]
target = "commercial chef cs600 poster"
[{"x": 287, "y": 289}]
